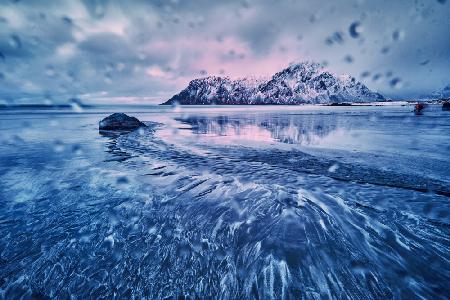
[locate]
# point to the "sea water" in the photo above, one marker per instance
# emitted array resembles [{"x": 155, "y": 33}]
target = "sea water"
[{"x": 226, "y": 202}]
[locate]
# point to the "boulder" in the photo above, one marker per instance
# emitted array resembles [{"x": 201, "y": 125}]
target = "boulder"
[
  {"x": 446, "y": 105},
  {"x": 120, "y": 121}
]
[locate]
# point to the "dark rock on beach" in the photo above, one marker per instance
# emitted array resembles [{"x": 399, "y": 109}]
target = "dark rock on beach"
[
  {"x": 446, "y": 105},
  {"x": 120, "y": 121}
]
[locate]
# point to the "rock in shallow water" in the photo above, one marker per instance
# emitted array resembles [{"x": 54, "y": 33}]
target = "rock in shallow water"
[
  {"x": 446, "y": 105},
  {"x": 120, "y": 121}
]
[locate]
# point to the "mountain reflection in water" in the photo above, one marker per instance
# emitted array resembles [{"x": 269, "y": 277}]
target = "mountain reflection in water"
[{"x": 307, "y": 130}]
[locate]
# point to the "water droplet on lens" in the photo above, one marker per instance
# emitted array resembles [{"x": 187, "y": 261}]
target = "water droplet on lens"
[
  {"x": 122, "y": 180},
  {"x": 99, "y": 10},
  {"x": 108, "y": 78},
  {"x": 108, "y": 242},
  {"x": 50, "y": 71},
  {"x": 333, "y": 168},
  {"x": 15, "y": 42},
  {"x": 365, "y": 74},
  {"x": 396, "y": 83},
  {"x": 348, "y": 59},
  {"x": 142, "y": 55},
  {"x": 76, "y": 149},
  {"x": 85, "y": 238},
  {"x": 337, "y": 37},
  {"x": 184, "y": 250},
  {"x": 377, "y": 77},
  {"x": 398, "y": 35},
  {"x": 76, "y": 104},
  {"x": 355, "y": 29},
  {"x": 67, "y": 20},
  {"x": 167, "y": 233},
  {"x": 220, "y": 254},
  {"x": 58, "y": 146},
  {"x": 385, "y": 50},
  {"x": 176, "y": 107},
  {"x": 16, "y": 139},
  {"x": 120, "y": 67}
]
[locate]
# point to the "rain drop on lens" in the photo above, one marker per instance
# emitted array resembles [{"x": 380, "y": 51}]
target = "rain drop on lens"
[
  {"x": 120, "y": 67},
  {"x": 99, "y": 8},
  {"x": 58, "y": 146},
  {"x": 15, "y": 42},
  {"x": 377, "y": 77},
  {"x": 122, "y": 180},
  {"x": 396, "y": 83},
  {"x": 398, "y": 35},
  {"x": 333, "y": 168},
  {"x": 176, "y": 107},
  {"x": 355, "y": 29},
  {"x": 68, "y": 21},
  {"x": 365, "y": 74},
  {"x": 50, "y": 71},
  {"x": 348, "y": 59},
  {"x": 76, "y": 149},
  {"x": 76, "y": 105}
]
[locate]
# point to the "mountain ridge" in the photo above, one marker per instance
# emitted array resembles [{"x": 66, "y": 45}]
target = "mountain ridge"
[{"x": 301, "y": 83}]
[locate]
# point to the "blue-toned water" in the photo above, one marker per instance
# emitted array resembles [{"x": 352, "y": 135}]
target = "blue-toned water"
[{"x": 226, "y": 203}]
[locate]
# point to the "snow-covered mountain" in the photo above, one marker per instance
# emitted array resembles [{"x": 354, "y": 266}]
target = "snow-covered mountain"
[
  {"x": 301, "y": 83},
  {"x": 443, "y": 93}
]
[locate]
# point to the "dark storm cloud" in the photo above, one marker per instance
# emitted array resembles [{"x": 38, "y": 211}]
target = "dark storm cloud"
[{"x": 106, "y": 48}]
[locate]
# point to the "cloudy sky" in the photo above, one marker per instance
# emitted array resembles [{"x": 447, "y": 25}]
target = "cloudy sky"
[{"x": 146, "y": 51}]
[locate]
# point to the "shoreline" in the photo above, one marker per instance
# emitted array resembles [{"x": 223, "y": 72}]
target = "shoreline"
[{"x": 335, "y": 104}]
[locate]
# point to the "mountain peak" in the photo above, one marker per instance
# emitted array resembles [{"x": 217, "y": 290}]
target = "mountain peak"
[{"x": 303, "y": 65}]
